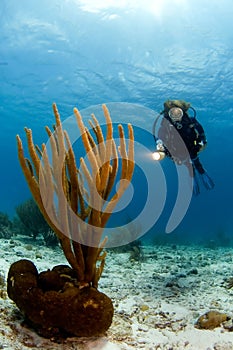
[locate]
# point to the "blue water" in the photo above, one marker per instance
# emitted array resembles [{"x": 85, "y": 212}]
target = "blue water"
[{"x": 85, "y": 53}]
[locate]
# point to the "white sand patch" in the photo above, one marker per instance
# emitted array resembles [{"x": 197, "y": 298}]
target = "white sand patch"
[{"x": 157, "y": 301}]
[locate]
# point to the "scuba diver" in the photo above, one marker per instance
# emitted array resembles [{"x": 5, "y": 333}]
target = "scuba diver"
[{"x": 181, "y": 137}]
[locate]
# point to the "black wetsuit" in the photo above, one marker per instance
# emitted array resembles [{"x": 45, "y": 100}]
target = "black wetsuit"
[{"x": 192, "y": 135}]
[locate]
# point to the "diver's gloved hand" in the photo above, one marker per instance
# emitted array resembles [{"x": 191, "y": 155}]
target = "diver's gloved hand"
[
  {"x": 160, "y": 152},
  {"x": 202, "y": 145},
  {"x": 196, "y": 188},
  {"x": 207, "y": 181}
]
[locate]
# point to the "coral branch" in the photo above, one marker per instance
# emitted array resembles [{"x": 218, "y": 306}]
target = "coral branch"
[{"x": 72, "y": 200}]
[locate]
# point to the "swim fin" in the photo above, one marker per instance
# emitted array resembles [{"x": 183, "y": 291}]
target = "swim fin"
[
  {"x": 196, "y": 188},
  {"x": 207, "y": 181}
]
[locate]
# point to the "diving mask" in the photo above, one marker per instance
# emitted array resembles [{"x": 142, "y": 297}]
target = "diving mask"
[{"x": 176, "y": 114}]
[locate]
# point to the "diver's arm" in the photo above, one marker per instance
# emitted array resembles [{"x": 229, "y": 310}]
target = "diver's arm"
[
  {"x": 161, "y": 149},
  {"x": 201, "y": 135}
]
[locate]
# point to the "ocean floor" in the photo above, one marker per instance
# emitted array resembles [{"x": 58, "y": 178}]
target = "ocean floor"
[{"x": 157, "y": 300}]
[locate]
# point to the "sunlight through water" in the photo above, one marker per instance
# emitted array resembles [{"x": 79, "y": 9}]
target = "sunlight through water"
[{"x": 155, "y": 7}]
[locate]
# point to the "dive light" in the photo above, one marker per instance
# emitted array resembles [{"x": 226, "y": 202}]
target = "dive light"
[{"x": 158, "y": 155}]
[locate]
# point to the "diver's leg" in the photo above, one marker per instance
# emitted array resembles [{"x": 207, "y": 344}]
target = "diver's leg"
[
  {"x": 206, "y": 179},
  {"x": 193, "y": 176},
  {"x": 197, "y": 164},
  {"x": 196, "y": 188}
]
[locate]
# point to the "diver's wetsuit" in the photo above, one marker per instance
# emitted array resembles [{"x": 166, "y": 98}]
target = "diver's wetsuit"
[
  {"x": 188, "y": 132},
  {"x": 191, "y": 133}
]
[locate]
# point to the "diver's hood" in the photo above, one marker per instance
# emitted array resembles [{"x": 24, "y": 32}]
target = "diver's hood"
[{"x": 176, "y": 103}]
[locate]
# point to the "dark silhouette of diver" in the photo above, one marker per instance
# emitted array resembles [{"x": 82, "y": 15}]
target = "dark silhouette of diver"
[{"x": 177, "y": 130}]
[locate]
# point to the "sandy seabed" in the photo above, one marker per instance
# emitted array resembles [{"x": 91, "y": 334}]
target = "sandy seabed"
[{"x": 157, "y": 300}]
